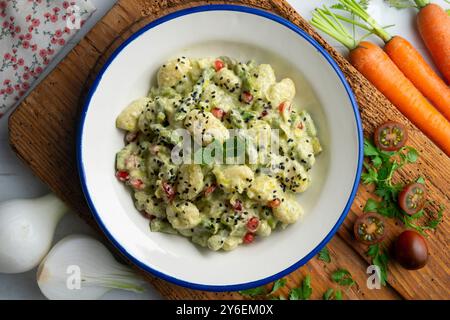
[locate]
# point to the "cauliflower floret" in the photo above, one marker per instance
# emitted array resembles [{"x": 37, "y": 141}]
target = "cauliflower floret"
[
  {"x": 205, "y": 127},
  {"x": 173, "y": 71},
  {"x": 264, "y": 230},
  {"x": 128, "y": 118},
  {"x": 190, "y": 181},
  {"x": 291, "y": 173},
  {"x": 227, "y": 79},
  {"x": 149, "y": 204},
  {"x": 264, "y": 189},
  {"x": 283, "y": 91},
  {"x": 231, "y": 243},
  {"x": 233, "y": 177},
  {"x": 183, "y": 215},
  {"x": 260, "y": 80},
  {"x": 289, "y": 211}
]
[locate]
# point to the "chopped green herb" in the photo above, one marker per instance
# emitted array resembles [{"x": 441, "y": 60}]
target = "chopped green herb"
[
  {"x": 303, "y": 292},
  {"x": 420, "y": 180},
  {"x": 280, "y": 283},
  {"x": 380, "y": 258},
  {"x": 342, "y": 277},
  {"x": 324, "y": 255},
  {"x": 331, "y": 294},
  {"x": 253, "y": 292}
]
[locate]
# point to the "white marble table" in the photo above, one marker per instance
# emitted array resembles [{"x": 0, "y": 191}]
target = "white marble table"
[{"x": 17, "y": 181}]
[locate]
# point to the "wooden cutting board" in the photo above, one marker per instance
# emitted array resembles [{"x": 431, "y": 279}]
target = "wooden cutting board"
[{"x": 43, "y": 127}]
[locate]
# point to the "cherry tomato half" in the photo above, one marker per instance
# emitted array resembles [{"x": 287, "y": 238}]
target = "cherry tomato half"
[
  {"x": 369, "y": 228},
  {"x": 390, "y": 136},
  {"x": 411, "y": 250},
  {"x": 412, "y": 198}
]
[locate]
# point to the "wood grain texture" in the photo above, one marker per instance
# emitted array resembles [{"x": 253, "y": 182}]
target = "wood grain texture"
[{"x": 42, "y": 132}]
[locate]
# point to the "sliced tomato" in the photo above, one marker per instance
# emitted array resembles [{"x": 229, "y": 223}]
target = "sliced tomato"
[
  {"x": 169, "y": 190},
  {"x": 390, "y": 136},
  {"x": 412, "y": 198},
  {"x": 253, "y": 224},
  {"x": 248, "y": 238},
  {"x": 218, "y": 113},
  {"x": 247, "y": 97},
  {"x": 274, "y": 203},
  {"x": 369, "y": 228},
  {"x": 218, "y": 64},
  {"x": 122, "y": 175}
]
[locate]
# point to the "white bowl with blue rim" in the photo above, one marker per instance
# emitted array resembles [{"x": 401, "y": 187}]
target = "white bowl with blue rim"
[{"x": 242, "y": 33}]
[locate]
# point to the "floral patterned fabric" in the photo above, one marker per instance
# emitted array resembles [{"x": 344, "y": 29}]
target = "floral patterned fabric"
[{"x": 31, "y": 33}]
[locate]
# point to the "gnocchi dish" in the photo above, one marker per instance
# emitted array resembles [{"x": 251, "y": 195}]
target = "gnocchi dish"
[{"x": 220, "y": 203}]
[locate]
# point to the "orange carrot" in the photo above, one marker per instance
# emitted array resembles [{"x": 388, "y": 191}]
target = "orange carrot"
[
  {"x": 416, "y": 69},
  {"x": 434, "y": 27},
  {"x": 378, "y": 68},
  {"x": 407, "y": 59}
]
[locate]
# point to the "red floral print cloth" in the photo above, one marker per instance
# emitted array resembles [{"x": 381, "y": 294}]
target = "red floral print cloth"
[{"x": 31, "y": 33}]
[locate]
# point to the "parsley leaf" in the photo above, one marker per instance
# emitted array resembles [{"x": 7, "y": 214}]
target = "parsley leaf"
[
  {"x": 330, "y": 294},
  {"x": 343, "y": 277},
  {"x": 253, "y": 292},
  {"x": 380, "y": 258},
  {"x": 420, "y": 180},
  {"x": 280, "y": 283},
  {"x": 371, "y": 206},
  {"x": 303, "y": 292},
  {"x": 433, "y": 224},
  {"x": 324, "y": 255}
]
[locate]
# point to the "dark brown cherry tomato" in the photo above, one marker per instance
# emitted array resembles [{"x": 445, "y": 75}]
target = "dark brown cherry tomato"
[
  {"x": 390, "y": 136},
  {"x": 412, "y": 198},
  {"x": 411, "y": 250},
  {"x": 369, "y": 228}
]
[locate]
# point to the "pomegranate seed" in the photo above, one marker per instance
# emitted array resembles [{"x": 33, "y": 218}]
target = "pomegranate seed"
[
  {"x": 247, "y": 97},
  {"x": 253, "y": 224},
  {"x": 169, "y": 190},
  {"x": 131, "y": 136},
  {"x": 248, "y": 238},
  {"x": 137, "y": 184},
  {"x": 210, "y": 189},
  {"x": 122, "y": 175},
  {"x": 237, "y": 206},
  {"x": 264, "y": 113},
  {"x": 147, "y": 215},
  {"x": 218, "y": 113},
  {"x": 300, "y": 125},
  {"x": 218, "y": 64},
  {"x": 274, "y": 203}
]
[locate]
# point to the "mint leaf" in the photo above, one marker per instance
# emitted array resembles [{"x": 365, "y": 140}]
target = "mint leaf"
[
  {"x": 324, "y": 255},
  {"x": 328, "y": 294},
  {"x": 338, "y": 295}
]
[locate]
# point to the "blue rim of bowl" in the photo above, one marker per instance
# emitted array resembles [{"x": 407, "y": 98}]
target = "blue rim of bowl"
[{"x": 304, "y": 35}]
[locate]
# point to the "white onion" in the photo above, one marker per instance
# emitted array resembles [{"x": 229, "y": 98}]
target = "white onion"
[
  {"x": 27, "y": 227},
  {"x": 80, "y": 267}
]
